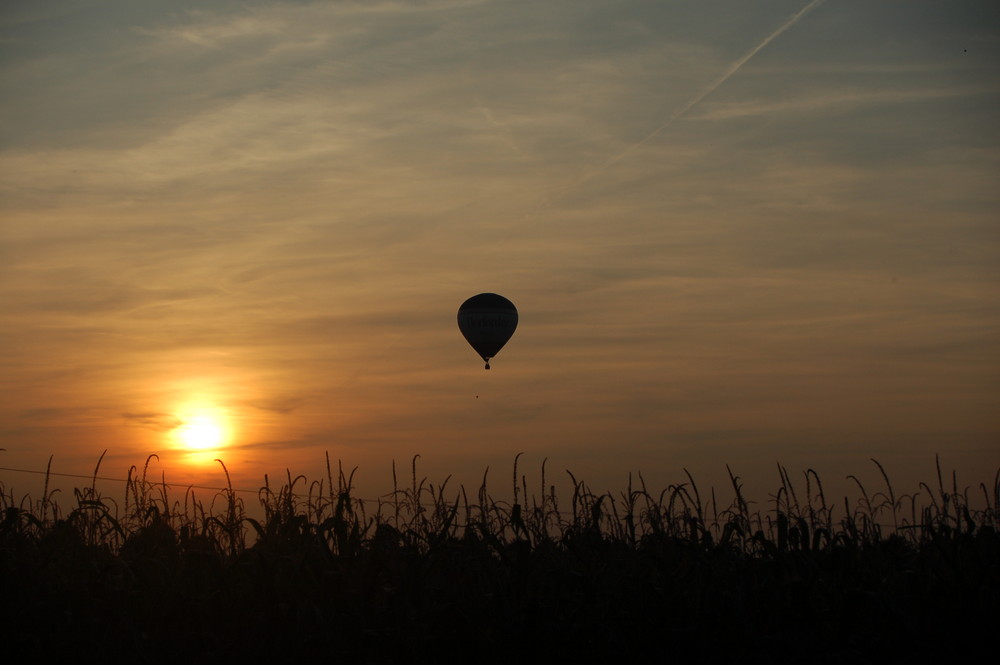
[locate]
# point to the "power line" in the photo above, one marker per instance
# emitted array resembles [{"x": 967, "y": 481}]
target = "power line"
[
  {"x": 120, "y": 480},
  {"x": 164, "y": 483}
]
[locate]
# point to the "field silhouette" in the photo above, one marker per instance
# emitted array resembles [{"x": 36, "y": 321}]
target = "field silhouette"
[{"x": 433, "y": 573}]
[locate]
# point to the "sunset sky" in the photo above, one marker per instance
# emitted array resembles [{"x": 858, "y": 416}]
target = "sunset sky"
[{"x": 736, "y": 233}]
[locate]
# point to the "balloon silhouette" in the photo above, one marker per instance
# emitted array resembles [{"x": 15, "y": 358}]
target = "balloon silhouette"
[{"x": 487, "y": 321}]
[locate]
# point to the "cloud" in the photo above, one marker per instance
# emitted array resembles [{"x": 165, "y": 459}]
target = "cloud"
[
  {"x": 45, "y": 413},
  {"x": 367, "y": 89},
  {"x": 158, "y": 422},
  {"x": 842, "y": 101},
  {"x": 279, "y": 405}
]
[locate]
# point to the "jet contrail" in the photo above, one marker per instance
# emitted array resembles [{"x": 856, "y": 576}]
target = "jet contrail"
[
  {"x": 735, "y": 67},
  {"x": 732, "y": 69}
]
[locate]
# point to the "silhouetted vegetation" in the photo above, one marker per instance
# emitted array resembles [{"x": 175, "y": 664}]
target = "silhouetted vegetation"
[{"x": 431, "y": 573}]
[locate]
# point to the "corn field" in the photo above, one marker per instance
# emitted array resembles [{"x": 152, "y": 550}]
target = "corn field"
[{"x": 432, "y": 572}]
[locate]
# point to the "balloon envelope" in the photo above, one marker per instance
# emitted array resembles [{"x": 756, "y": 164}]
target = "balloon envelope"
[{"x": 487, "y": 321}]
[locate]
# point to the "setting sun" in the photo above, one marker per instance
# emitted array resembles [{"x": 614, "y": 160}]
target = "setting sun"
[{"x": 202, "y": 428}]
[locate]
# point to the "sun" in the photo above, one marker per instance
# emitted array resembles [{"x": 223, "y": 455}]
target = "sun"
[
  {"x": 200, "y": 433},
  {"x": 202, "y": 428}
]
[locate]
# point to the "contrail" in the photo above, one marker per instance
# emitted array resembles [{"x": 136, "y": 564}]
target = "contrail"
[
  {"x": 726, "y": 75},
  {"x": 735, "y": 67}
]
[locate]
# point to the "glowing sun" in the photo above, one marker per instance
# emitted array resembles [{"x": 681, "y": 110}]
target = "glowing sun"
[{"x": 202, "y": 428}]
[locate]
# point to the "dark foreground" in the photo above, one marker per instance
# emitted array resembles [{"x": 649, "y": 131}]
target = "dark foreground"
[{"x": 425, "y": 578}]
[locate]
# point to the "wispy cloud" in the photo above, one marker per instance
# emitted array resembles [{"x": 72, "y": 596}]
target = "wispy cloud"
[
  {"x": 842, "y": 99},
  {"x": 158, "y": 422}
]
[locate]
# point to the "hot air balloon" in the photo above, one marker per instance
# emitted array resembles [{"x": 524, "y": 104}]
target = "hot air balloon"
[{"x": 487, "y": 321}]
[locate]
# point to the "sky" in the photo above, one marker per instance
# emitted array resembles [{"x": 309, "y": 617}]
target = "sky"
[{"x": 736, "y": 233}]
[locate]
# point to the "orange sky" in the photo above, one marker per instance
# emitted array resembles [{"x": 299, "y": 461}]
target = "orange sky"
[{"x": 736, "y": 233}]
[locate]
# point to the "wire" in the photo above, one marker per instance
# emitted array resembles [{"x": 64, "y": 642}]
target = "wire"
[{"x": 120, "y": 480}]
